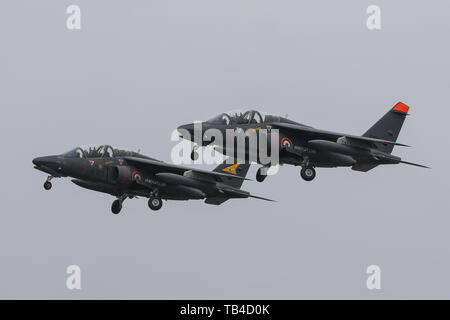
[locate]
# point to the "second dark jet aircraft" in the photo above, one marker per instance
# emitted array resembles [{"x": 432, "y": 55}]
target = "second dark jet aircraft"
[
  {"x": 305, "y": 146},
  {"x": 127, "y": 174}
]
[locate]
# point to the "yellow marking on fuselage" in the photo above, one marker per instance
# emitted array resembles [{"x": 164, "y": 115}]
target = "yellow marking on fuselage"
[
  {"x": 232, "y": 169},
  {"x": 108, "y": 162}
]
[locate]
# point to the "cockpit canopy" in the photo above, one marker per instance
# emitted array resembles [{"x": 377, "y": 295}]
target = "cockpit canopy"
[
  {"x": 246, "y": 117},
  {"x": 237, "y": 117},
  {"x": 100, "y": 151}
]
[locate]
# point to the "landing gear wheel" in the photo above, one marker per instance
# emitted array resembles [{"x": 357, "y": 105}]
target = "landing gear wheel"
[
  {"x": 116, "y": 207},
  {"x": 155, "y": 203},
  {"x": 47, "y": 185},
  {"x": 259, "y": 176},
  {"x": 194, "y": 155},
  {"x": 308, "y": 173}
]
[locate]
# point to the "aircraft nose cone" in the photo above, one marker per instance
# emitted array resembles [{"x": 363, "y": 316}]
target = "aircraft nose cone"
[
  {"x": 38, "y": 161},
  {"x": 49, "y": 161}
]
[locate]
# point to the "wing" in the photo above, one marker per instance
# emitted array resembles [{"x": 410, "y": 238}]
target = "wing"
[
  {"x": 312, "y": 134},
  {"x": 160, "y": 166}
]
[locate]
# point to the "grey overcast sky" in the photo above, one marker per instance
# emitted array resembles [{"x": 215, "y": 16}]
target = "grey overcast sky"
[{"x": 138, "y": 69}]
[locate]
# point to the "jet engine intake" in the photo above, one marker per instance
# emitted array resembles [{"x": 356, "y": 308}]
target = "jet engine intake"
[{"x": 123, "y": 174}]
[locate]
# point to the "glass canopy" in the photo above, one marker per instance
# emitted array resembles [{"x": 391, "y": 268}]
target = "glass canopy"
[
  {"x": 100, "y": 151},
  {"x": 247, "y": 117}
]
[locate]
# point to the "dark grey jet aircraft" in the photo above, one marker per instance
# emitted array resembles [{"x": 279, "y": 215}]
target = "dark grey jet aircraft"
[
  {"x": 305, "y": 146},
  {"x": 127, "y": 174}
]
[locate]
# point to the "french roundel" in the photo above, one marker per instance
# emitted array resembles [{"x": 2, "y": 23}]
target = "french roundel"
[
  {"x": 286, "y": 143},
  {"x": 136, "y": 176}
]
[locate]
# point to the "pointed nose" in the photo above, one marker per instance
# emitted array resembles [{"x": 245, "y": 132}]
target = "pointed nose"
[
  {"x": 39, "y": 161},
  {"x": 51, "y": 162}
]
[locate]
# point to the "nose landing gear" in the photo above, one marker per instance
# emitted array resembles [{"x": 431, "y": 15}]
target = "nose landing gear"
[{"x": 47, "y": 183}]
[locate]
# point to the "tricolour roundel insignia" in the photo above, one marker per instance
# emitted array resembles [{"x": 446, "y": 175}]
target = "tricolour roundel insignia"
[
  {"x": 136, "y": 176},
  {"x": 286, "y": 143}
]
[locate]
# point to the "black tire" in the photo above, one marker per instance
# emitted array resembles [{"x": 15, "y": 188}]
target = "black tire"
[
  {"x": 116, "y": 207},
  {"x": 260, "y": 177},
  {"x": 47, "y": 185},
  {"x": 154, "y": 203},
  {"x": 308, "y": 173},
  {"x": 194, "y": 155}
]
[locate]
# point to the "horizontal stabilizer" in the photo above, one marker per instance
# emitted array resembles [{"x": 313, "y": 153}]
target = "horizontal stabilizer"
[
  {"x": 237, "y": 193},
  {"x": 374, "y": 140},
  {"x": 414, "y": 164},
  {"x": 220, "y": 200},
  {"x": 261, "y": 198}
]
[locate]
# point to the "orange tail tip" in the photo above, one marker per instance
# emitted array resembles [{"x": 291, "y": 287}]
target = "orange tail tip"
[{"x": 401, "y": 107}]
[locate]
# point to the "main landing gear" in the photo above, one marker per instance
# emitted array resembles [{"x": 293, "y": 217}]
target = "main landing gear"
[
  {"x": 117, "y": 204},
  {"x": 47, "y": 183},
  {"x": 308, "y": 173},
  {"x": 154, "y": 201}
]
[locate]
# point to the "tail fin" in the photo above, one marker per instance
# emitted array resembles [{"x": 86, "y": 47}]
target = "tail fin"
[
  {"x": 389, "y": 126},
  {"x": 237, "y": 169}
]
